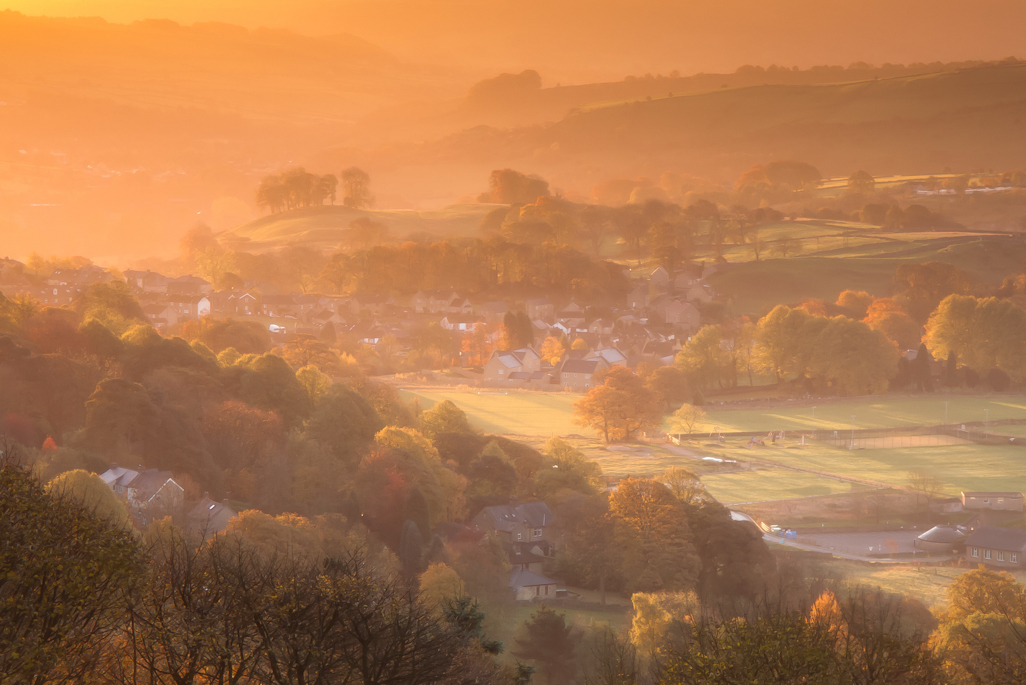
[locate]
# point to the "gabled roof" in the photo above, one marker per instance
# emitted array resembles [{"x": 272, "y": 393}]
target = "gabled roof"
[
  {"x": 580, "y": 366},
  {"x": 521, "y": 578},
  {"x": 149, "y": 481},
  {"x": 208, "y": 508},
  {"x": 118, "y": 475},
  {"x": 992, "y": 537},
  {"x": 533, "y": 514},
  {"x": 508, "y": 359}
]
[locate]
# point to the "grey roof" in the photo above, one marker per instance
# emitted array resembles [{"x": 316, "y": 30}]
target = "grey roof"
[
  {"x": 943, "y": 534},
  {"x": 992, "y": 537},
  {"x": 1007, "y": 495},
  {"x": 521, "y": 578},
  {"x": 208, "y": 508},
  {"x": 533, "y": 514},
  {"x": 150, "y": 481},
  {"x": 579, "y": 366}
]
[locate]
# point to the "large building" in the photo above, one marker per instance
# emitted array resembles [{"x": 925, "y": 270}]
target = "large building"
[
  {"x": 999, "y": 547},
  {"x": 992, "y": 501},
  {"x": 528, "y": 522}
]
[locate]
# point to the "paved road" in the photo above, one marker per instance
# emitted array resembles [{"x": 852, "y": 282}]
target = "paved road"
[{"x": 825, "y": 540}]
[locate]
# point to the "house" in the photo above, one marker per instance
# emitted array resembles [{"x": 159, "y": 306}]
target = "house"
[
  {"x": 699, "y": 292},
  {"x": 460, "y": 322},
  {"x": 160, "y": 315},
  {"x": 150, "y": 494},
  {"x": 992, "y": 501},
  {"x": 577, "y": 374},
  {"x": 458, "y": 304},
  {"x": 638, "y": 298},
  {"x": 501, "y": 364},
  {"x": 659, "y": 280},
  {"x": 242, "y": 303},
  {"x": 492, "y": 311},
  {"x": 279, "y": 306},
  {"x": 209, "y": 517},
  {"x": 528, "y": 522},
  {"x": 528, "y": 585},
  {"x": 527, "y": 556},
  {"x": 375, "y": 304},
  {"x": 600, "y": 327},
  {"x": 189, "y": 285},
  {"x": 1002, "y": 547},
  {"x": 684, "y": 315},
  {"x": 540, "y": 308},
  {"x": 571, "y": 315},
  {"x": 146, "y": 281},
  {"x": 610, "y": 355},
  {"x": 189, "y": 306}
]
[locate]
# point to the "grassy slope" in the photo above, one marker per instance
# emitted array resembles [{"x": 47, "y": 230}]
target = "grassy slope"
[
  {"x": 863, "y": 261},
  {"x": 323, "y": 227}
]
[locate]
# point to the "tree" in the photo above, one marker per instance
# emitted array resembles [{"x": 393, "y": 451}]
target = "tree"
[
  {"x": 925, "y": 486},
  {"x": 440, "y": 584},
  {"x": 618, "y": 408},
  {"x": 853, "y": 358},
  {"x": 861, "y": 183},
  {"x": 444, "y": 417},
  {"x": 63, "y": 575},
  {"x": 548, "y": 641},
  {"x": 651, "y": 528},
  {"x": 669, "y": 384},
  {"x": 686, "y": 418},
  {"x": 924, "y": 286},
  {"x": 857, "y": 302},
  {"x": 553, "y": 350},
  {"x": 922, "y": 373},
  {"x": 703, "y": 360},
  {"x": 512, "y": 187},
  {"x": 90, "y": 493},
  {"x": 356, "y": 188},
  {"x": 685, "y": 485}
]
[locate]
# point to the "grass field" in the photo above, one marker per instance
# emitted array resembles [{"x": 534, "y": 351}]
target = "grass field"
[
  {"x": 535, "y": 416},
  {"x": 765, "y": 485},
  {"x": 958, "y": 467}
]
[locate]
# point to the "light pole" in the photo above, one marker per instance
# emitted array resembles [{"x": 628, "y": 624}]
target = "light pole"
[{"x": 852, "y": 445}]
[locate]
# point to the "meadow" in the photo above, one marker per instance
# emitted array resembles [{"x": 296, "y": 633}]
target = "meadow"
[{"x": 534, "y": 416}]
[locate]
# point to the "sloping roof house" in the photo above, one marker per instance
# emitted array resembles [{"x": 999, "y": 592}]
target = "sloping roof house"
[
  {"x": 527, "y": 522},
  {"x": 1003, "y": 547},
  {"x": 210, "y": 517}
]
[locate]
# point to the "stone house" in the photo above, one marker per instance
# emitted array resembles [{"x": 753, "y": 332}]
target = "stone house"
[
  {"x": 528, "y": 522},
  {"x": 540, "y": 308},
  {"x": 992, "y": 501},
  {"x": 577, "y": 374},
  {"x": 149, "y": 493},
  {"x": 209, "y": 517},
  {"x": 999, "y": 547}
]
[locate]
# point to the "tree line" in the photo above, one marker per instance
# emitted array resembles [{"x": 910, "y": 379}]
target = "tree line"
[{"x": 297, "y": 188}]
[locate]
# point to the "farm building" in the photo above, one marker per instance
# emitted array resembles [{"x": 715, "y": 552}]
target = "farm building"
[
  {"x": 992, "y": 501},
  {"x": 1003, "y": 547}
]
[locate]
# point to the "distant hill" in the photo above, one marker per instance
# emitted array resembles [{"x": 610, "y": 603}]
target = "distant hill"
[
  {"x": 323, "y": 227},
  {"x": 963, "y": 119}
]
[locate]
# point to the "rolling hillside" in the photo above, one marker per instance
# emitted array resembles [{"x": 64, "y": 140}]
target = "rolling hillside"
[
  {"x": 963, "y": 119},
  {"x": 323, "y": 227}
]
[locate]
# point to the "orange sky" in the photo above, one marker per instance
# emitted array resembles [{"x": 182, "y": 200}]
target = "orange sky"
[{"x": 580, "y": 40}]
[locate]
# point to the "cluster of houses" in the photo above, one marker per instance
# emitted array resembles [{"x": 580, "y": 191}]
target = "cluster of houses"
[
  {"x": 151, "y": 494},
  {"x": 657, "y": 317}
]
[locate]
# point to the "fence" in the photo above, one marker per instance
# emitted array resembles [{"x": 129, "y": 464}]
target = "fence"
[{"x": 891, "y": 441}]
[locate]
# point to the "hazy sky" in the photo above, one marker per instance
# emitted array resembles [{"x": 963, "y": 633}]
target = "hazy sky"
[{"x": 577, "y": 40}]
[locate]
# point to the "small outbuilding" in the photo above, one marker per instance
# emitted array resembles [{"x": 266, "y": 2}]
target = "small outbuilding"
[{"x": 942, "y": 539}]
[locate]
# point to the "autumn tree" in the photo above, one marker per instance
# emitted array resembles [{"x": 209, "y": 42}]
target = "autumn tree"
[
  {"x": 618, "y": 408},
  {"x": 686, "y": 419},
  {"x": 652, "y": 529},
  {"x": 922, "y": 287},
  {"x": 64, "y": 572},
  {"x": 444, "y": 417},
  {"x": 861, "y": 183},
  {"x": 685, "y": 485}
]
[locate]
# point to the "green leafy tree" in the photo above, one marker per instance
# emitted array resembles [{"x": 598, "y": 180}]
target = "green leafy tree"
[
  {"x": 444, "y": 417},
  {"x": 550, "y": 643}
]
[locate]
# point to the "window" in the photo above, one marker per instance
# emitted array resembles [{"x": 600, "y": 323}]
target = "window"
[
  {"x": 976, "y": 552},
  {"x": 537, "y": 532},
  {"x": 546, "y": 589},
  {"x": 1001, "y": 556},
  {"x": 1015, "y": 558},
  {"x": 986, "y": 554},
  {"x": 518, "y": 537}
]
